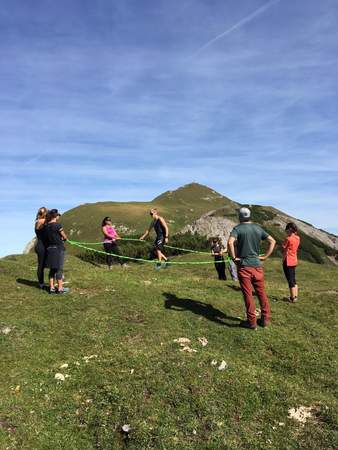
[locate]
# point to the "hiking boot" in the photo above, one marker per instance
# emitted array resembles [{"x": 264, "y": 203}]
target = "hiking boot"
[
  {"x": 263, "y": 323},
  {"x": 247, "y": 324},
  {"x": 63, "y": 291}
]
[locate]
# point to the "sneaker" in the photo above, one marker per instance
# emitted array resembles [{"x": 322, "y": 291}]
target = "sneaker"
[
  {"x": 158, "y": 266},
  {"x": 41, "y": 286},
  {"x": 167, "y": 264},
  {"x": 247, "y": 324},
  {"x": 263, "y": 323},
  {"x": 63, "y": 291},
  {"x": 52, "y": 290}
]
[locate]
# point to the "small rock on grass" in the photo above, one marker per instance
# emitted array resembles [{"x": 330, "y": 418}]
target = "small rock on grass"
[
  {"x": 182, "y": 340},
  {"x": 126, "y": 428},
  {"x": 59, "y": 377},
  {"x": 203, "y": 341},
  {"x": 188, "y": 349},
  {"x": 6, "y": 330},
  {"x": 223, "y": 365}
]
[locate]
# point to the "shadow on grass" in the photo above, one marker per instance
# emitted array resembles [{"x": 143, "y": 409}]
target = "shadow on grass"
[
  {"x": 200, "y": 308},
  {"x": 90, "y": 260},
  {"x": 235, "y": 288},
  {"x": 30, "y": 283}
]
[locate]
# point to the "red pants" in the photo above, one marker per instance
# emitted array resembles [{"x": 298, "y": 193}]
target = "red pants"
[{"x": 249, "y": 278}]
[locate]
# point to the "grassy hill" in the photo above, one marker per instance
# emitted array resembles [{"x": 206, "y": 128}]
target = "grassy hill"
[
  {"x": 112, "y": 338},
  {"x": 179, "y": 207},
  {"x": 184, "y": 206}
]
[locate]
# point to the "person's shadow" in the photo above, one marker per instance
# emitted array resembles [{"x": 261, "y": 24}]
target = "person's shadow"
[
  {"x": 200, "y": 308},
  {"x": 30, "y": 283}
]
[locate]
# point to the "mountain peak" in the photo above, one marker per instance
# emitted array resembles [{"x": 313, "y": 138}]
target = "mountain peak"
[{"x": 190, "y": 192}]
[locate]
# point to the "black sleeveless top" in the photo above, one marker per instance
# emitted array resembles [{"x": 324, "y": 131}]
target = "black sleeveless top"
[
  {"x": 41, "y": 233},
  {"x": 159, "y": 229}
]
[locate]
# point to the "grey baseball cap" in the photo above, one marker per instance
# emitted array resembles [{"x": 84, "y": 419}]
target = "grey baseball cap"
[{"x": 244, "y": 213}]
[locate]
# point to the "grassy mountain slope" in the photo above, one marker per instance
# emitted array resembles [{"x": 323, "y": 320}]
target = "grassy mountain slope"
[
  {"x": 183, "y": 207},
  {"x": 126, "y": 323},
  {"x": 179, "y": 207}
]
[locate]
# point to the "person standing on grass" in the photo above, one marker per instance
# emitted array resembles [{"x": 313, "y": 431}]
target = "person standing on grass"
[
  {"x": 290, "y": 247},
  {"x": 109, "y": 242},
  {"x": 55, "y": 238},
  {"x": 162, "y": 235},
  {"x": 217, "y": 252},
  {"x": 247, "y": 237},
  {"x": 40, "y": 246}
]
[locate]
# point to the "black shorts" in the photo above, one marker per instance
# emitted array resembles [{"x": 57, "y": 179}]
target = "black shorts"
[
  {"x": 159, "y": 244},
  {"x": 290, "y": 274}
]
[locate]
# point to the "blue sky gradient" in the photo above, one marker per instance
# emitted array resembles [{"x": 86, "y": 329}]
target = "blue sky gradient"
[{"x": 124, "y": 99}]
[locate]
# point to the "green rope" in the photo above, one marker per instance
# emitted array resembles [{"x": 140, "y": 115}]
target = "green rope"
[
  {"x": 138, "y": 240},
  {"x": 81, "y": 245}
]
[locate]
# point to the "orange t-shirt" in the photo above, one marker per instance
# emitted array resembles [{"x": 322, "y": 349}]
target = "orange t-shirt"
[{"x": 290, "y": 246}]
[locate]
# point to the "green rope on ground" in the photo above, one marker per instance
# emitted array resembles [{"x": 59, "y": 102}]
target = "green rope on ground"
[{"x": 80, "y": 245}]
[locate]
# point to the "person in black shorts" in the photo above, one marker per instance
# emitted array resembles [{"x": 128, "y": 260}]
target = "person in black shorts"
[
  {"x": 217, "y": 250},
  {"x": 55, "y": 238},
  {"x": 162, "y": 234}
]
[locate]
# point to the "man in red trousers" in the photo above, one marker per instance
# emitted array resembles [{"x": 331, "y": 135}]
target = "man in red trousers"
[{"x": 244, "y": 246}]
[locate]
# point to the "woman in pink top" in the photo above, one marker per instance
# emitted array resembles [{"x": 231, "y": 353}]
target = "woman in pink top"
[
  {"x": 109, "y": 241},
  {"x": 290, "y": 247}
]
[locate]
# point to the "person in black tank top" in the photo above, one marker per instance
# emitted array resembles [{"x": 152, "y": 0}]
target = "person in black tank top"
[
  {"x": 40, "y": 245},
  {"x": 162, "y": 234}
]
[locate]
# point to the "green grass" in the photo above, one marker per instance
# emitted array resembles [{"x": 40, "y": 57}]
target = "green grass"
[{"x": 170, "y": 399}]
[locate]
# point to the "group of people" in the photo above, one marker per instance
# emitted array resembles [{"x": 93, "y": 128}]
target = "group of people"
[
  {"x": 50, "y": 249},
  {"x": 243, "y": 248}
]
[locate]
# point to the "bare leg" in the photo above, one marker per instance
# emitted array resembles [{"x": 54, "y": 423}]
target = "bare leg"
[
  {"x": 160, "y": 256},
  {"x": 60, "y": 285}
]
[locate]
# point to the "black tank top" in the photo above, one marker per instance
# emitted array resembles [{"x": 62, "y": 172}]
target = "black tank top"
[
  {"x": 41, "y": 233},
  {"x": 159, "y": 229}
]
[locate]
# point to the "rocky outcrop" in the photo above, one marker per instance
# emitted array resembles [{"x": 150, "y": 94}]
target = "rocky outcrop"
[
  {"x": 29, "y": 247},
  {"x": 211, "y": 226},
  {"x": 326, "y": 238}
]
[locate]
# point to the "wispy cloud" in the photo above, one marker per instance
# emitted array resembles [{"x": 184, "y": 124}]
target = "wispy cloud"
[{"x": 237, "y": 25}]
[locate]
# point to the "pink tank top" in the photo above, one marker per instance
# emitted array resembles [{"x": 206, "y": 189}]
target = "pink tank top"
[{"x": 111, "y": 232}]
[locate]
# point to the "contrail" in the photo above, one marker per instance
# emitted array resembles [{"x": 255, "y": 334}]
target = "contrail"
[{"x": 239, "y": 24}]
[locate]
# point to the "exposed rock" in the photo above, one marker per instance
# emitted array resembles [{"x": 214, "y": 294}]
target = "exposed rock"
[
  {"x": 326, "y": 238},
  {"x": 30, "y": 246},
  {"x": 211, "y": 226}
]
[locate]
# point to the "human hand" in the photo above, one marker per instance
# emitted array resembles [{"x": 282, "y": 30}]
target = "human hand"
[{"x": 262, "y": 258}]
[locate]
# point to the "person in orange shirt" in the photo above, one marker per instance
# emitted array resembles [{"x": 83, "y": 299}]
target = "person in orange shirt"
[{"x": 290, "y": 247}]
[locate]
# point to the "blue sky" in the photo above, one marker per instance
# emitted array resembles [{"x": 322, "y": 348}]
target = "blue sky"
[{"x": 122, "y": 100}]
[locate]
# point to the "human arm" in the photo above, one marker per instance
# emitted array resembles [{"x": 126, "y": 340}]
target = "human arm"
[
  {"x": 271, "y": 246},
  {"x": 231, "y": 248},
  {"x": 145, "y": 234},
  {"x": 63, "y": 234}
]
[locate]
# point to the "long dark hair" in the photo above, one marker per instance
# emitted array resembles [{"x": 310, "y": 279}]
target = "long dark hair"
[
  {"x": 106, "y": 219},
  {"x": 291, "y": 226}
]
